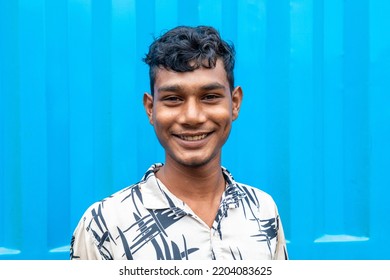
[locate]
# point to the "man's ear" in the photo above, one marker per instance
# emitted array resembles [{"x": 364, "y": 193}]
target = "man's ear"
[
  {"x": 237, "y": 96},
  {"x": 148, "y": 105}
]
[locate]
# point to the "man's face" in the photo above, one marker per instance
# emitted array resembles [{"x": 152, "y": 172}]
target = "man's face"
[{"x": 192, "y": 113}]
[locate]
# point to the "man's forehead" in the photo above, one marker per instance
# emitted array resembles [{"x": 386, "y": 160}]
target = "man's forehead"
[{"x": 201, "y": 75}]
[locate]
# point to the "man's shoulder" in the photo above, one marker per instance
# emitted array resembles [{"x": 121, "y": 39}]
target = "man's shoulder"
[
  {"x": 115, "y": 201},
  {"x": 123, "y": 194},
  {"x": 127, "y": 198}
]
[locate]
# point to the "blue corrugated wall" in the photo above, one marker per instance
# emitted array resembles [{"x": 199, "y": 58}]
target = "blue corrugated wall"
[{"x": 314, "y": 129}]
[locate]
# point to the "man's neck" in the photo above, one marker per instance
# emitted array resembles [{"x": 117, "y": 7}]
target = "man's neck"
[{"x": 199, "y": 187}]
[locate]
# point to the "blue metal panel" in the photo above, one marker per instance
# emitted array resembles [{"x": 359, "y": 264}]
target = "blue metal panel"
[{"x": 314, "y": 130}]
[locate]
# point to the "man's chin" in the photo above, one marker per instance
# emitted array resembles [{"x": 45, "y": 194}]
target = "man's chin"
[{"x": 194, "y": 162}]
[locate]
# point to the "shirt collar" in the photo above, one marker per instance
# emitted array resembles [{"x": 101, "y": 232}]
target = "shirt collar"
[
  {"x": 156, "y": 196},
  {"x": 233, "y": 193}
]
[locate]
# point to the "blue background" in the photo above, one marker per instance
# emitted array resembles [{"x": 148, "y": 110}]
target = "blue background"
[{"x": 314, "y": 129}]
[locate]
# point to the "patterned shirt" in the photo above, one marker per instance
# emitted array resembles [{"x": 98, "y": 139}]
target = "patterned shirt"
[{"x": 147, "y": 222}]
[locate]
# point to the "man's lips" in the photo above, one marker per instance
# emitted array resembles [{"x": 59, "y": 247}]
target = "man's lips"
[{"x": 192, "y": 137}]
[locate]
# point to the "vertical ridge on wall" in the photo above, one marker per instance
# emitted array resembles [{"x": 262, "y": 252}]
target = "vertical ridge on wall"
[
  {"x": 301, "y": 122},
  {"x": 124, "y": 95},
  {"x": 355, "y": 118},
  {"x": 102, "y": 96},
  {"x": 81, "y": 101},
  {"x": 10, "y": 140},
  {"x": 318, "y": 69},
  {"x": 248, "y": 64},
  {"x": 379, "y": 121},
  {"x": 276, "y": 104},
  {"x": 333, "y": 113},
  {"x": 33, "y": 126},
  {"x": 58, "y": 125}
]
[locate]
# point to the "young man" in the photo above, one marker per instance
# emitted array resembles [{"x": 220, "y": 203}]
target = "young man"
[{"x": 190, "y": 207}]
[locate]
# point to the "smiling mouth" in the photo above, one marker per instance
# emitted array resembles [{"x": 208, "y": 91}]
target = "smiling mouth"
[{"x": 193, "y": 137}]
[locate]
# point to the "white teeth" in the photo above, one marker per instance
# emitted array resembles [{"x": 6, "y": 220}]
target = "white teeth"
[{"x": 193, "y": 138}]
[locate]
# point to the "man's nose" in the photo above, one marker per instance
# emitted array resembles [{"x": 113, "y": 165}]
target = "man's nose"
[{"x": 193, "y": 113}]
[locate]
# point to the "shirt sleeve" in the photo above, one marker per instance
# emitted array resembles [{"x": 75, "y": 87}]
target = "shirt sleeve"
[
  {"x": 83, "y": 244},
  {"x": 281, "y": 248}
]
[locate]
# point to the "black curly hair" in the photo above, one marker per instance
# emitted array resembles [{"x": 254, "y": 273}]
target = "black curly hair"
[{"x": 186, "y": 48}]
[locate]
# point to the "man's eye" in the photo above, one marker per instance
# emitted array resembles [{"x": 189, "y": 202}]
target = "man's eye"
[
  {"x": 172, "y": 98},
  {"x": 211, "y": 97}
]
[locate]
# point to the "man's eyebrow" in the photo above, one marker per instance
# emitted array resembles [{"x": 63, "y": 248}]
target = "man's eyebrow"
[
  {"x": 171, "y": 88},
  {"x": 179, "y": 88},
  {"x": 212, "y": 86}
]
